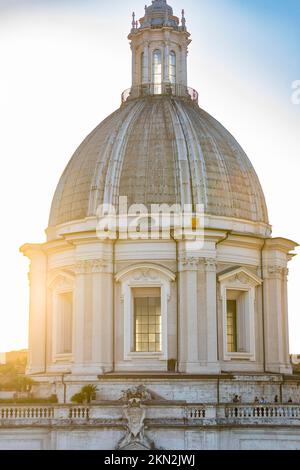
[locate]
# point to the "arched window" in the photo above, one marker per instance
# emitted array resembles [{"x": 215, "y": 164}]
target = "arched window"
[
  {"x": 157, "y": 71},
  {"x": 144, "y": 68},
  {"x": 172, "y": 67}
]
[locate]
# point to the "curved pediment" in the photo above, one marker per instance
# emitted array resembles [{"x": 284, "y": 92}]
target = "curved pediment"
[{"x": 144, "y": 272}]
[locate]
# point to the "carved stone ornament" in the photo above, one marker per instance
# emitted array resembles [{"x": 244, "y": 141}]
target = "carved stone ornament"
[
  {"x": 139, "y": 393},
  {"x": 240, "y": 279},
  {"x": 135, "y": 413},
  {"x": 90, "y": 266},
  {"x": 210, "y": 264},
  {"x": 191, "y": 262},
  {"x": 145, "y": 275},
  {"x": 277, "y": 271}
]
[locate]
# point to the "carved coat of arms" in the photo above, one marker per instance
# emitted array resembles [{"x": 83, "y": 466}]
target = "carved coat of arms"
[{"x": 135, "y": 413}]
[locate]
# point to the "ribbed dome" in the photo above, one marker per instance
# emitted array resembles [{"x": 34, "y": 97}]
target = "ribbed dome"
[
  {"x": 158, "y": 150},
  {"x": 159, "y": 14}
]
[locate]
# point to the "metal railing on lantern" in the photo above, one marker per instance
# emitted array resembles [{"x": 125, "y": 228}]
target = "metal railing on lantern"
[{"x": 154, "y": 89}]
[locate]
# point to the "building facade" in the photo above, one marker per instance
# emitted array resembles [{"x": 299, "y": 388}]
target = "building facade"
[{"x": 182, "y": 326}]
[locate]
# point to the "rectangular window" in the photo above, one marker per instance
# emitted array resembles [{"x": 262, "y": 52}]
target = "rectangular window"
[
  {"x": 65, "y": 323},
  {"x": 231, "y": 326},
  {"x": 172, "y": 67},
  {"x": 147, "y": 320},
  {"x": 237, "y": 321},
  {"x": 157, "y": 72}
]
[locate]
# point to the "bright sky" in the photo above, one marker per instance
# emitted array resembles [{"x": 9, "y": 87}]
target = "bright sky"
[{"x": 63, "y": 66}]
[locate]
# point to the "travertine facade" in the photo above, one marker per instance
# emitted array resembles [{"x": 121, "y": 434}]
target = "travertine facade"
[{"x": 220, "y": 321}]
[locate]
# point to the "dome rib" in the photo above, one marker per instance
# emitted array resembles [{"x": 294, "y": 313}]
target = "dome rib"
[{"x": 160, "y": 150}]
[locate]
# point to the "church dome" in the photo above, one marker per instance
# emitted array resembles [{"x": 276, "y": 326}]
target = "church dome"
[{"x": 155, "y": 150}]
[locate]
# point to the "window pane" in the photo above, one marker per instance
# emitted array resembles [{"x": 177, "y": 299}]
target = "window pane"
[
  {"x": 172, "y": 67},
  {"x": 157, "y": 72},
  {"x": 231, "y": 325},
  {"x": 147, "y": 318}
]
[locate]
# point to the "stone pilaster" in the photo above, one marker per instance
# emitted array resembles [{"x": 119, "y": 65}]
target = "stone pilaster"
[
  {"x": 146, "y": 58},
  {"x": 211, "y": 316},
  {"x": 276, "y": 319},
  {"x": 198, "y": 315},
  {"x": 184, "y": 54},
  {"x": 93, "y": 312},
  {"x": 37, "y": 309}
]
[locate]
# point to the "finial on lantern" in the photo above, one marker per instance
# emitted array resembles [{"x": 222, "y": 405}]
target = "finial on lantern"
[
  {"x": 166, "y": 17},
  {"x": 183, "y": 20},
  {"x": 133, "y": 21}
]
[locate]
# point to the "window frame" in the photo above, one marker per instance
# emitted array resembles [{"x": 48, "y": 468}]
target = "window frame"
[
  {"x": 156, "y": 325},
  {"x": 61, "y": 284},
  {"x": 240, "y": 280},
  {"x": 146, "y": 276},
  {"x": 157, "y": 85}
]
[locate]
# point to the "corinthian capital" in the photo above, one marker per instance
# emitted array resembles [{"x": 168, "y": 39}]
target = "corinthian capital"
[
  {"x": 210, "y": 264},
  {"x": 190, "y": 262},
  {"x": 276, "y": 271},
  {"x": 90, "y": 266}
]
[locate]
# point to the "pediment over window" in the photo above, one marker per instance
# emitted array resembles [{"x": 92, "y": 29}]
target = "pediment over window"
[
  {"x": 144, "y": 273},
  {"x": 63, "y": 280},
  {"x": 240, "y": 276}
]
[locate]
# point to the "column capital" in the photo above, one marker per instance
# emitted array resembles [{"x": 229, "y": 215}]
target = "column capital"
[
  {"x": 275, "y": 272},
  {"x": 210, "y": 264},
  {"x": 91, "y": 266},
  {"x": 190, "y": 263}
]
